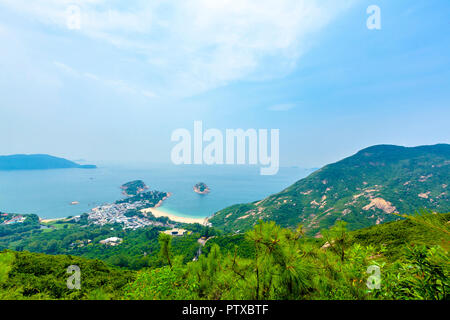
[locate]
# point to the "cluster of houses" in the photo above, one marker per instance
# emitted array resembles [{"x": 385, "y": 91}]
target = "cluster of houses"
[
  {"x": 14, "y": 219},
  {"x": 115, "y": 213}
]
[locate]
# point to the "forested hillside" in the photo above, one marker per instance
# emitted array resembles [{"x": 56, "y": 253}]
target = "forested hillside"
[{"x": 363, "y": 190}]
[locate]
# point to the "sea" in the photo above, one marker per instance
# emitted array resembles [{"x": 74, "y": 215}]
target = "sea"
[{"x": 50, "y": 193}]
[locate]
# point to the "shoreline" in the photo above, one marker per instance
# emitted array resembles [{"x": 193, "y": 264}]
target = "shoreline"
[
  {"x": 158, "y": 212},
  {"x": 51, "y": 220},
  {"x": 159, "y": 204},
  {"x": 206, "y": 191}
]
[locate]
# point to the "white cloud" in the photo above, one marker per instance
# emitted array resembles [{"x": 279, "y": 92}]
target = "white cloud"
[
  {"x": 193, "y": 46},
  {"x": 118, "y": 85}
]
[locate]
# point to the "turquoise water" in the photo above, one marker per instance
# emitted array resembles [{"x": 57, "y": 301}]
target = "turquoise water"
[{"x": 49, "y": 193}]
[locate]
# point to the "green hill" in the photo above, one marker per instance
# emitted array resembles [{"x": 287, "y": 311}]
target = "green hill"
[
  {"x": 363, "y": 190},
  {"x": 133, "y": 188},
  {"x": 38, "y": 162}
]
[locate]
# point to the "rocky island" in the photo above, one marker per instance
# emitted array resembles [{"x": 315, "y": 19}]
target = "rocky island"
[
  {"x": 201, "y": 188},
  {"x": 133, "y": 188}
]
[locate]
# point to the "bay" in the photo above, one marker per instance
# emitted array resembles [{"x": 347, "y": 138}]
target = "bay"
[{"x": 49, "y": 193}]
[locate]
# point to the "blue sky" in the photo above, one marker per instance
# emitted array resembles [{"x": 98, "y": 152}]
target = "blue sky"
[{"x": 115, "y": 89}]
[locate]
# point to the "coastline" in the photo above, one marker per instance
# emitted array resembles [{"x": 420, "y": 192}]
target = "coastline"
[
  {"x": 157, "y": 211},
  {"x": 51, "y": 220},
  {"x": 206, "y": 191}
]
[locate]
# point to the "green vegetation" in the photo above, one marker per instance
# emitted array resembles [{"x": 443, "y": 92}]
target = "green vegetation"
[
  {"x": 394, "y": 236},
  {"x": 267, "y": 262},
  {"x": 133, "y": 188},
  {"x": 138, "y": 249},
  {"x": 363, "y": 190},
  {"x": 30, "y": 223},
  {"x": 230, "y": 243},
  {"x": 284, "y": 264},
  {"x": 25, "y": 275}
]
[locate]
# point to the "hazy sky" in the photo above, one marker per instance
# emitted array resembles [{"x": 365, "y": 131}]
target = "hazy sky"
[{"x": 116, "y": 88}]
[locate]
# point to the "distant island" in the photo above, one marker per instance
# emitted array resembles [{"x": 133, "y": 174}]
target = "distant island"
[
  {"x": 201, "y": 188},
  {"x": 38, "y": 162},
  {"x": 133, "y": 188}
]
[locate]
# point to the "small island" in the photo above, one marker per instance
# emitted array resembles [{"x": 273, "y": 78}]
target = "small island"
[
  {"x": 201, "y": 188},
  {"x": 133, "y": 188}
]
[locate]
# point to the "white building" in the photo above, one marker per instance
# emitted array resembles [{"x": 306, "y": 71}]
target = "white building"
[{"x": 113, "y": 241}]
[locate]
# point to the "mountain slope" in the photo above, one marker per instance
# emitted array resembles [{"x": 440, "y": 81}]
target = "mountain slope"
[
  {"x": 36, "y": 162},
  {"x": 364, "y": 189}
]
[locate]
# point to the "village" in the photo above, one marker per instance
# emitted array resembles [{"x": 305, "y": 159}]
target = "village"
[
  {"x": 14, "y": 219},
  {"x": 119, "y": 213}
]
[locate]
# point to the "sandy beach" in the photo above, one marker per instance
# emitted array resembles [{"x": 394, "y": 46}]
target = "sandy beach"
[
  {"x": 160, "y": 212},
  {"x": 50, "y": 220}
]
